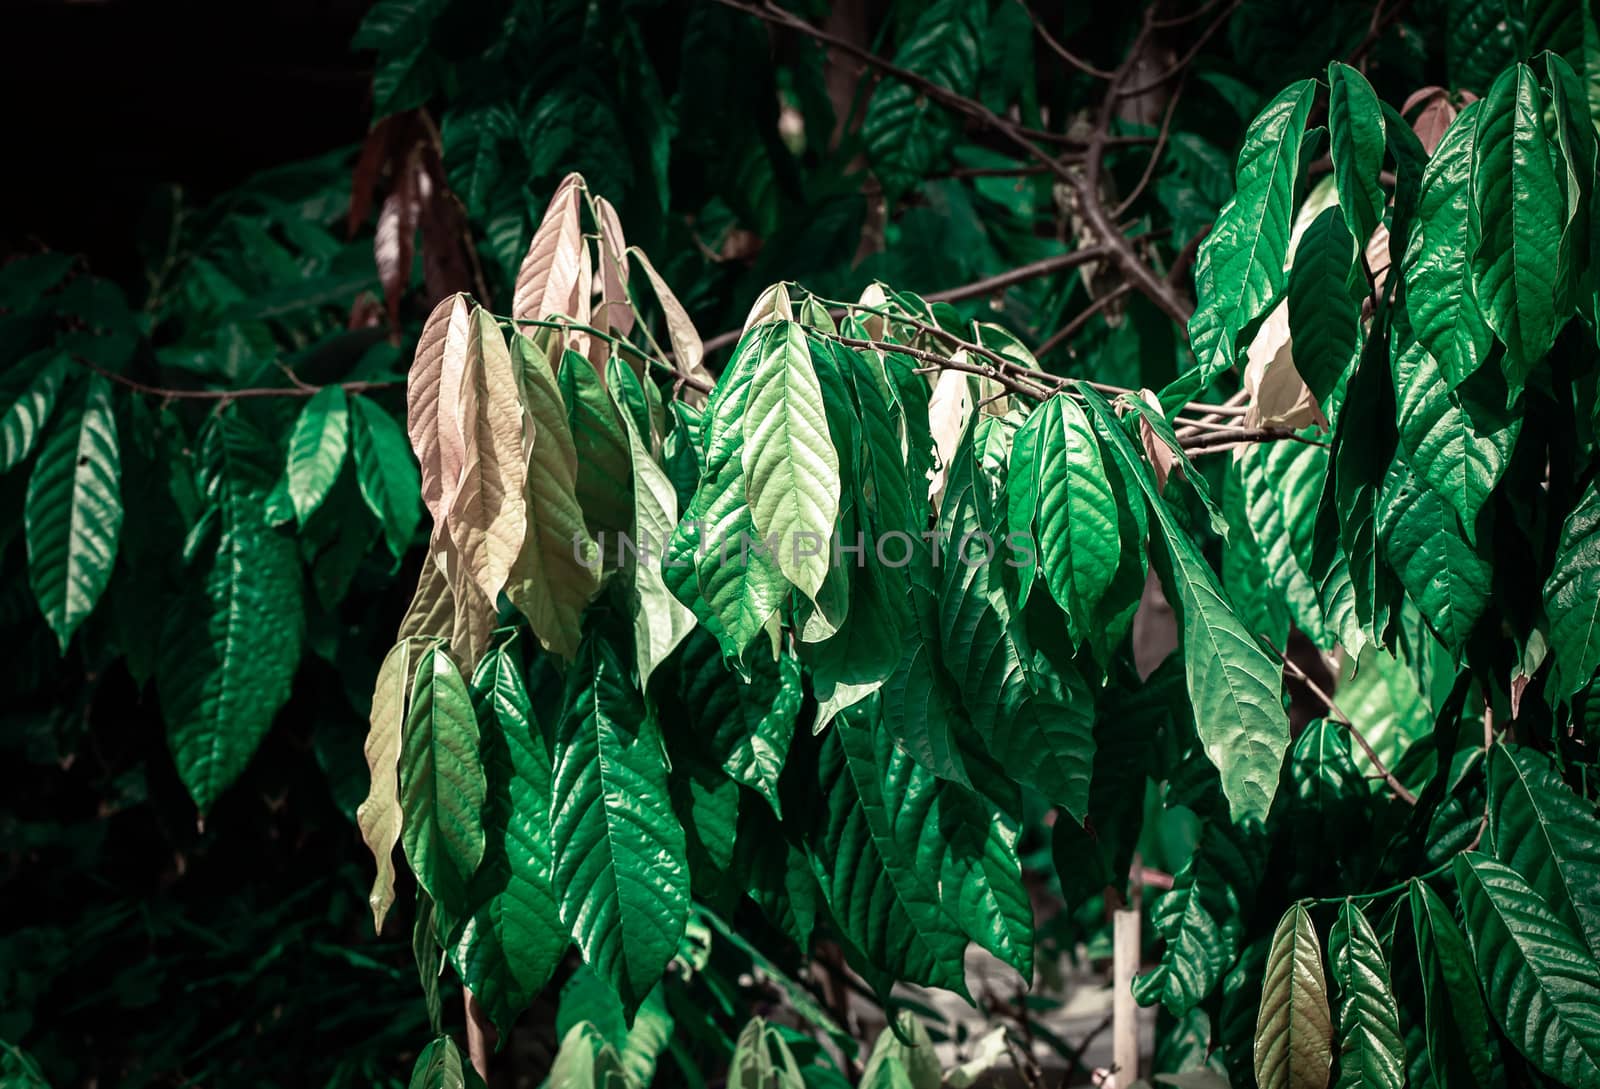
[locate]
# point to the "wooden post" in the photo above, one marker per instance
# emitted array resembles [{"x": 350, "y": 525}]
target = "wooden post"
[{"x": 1124, "y": 1011}]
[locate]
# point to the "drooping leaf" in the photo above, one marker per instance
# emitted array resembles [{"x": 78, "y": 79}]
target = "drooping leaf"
[
  {"x": 1240, "y": 268},
  {"x": 1294, "y": 1031},
  {"x": 1439, "y": 284},
  {"x": 25, "y": 414},
  {"x": 385, "y": 472},
  {"x": 547, "y": 282},
  {"x": 605, "y": 465},
  {"x": 1539, "y": 978},
  {"x": 1281, "y": 482},
  {"x": 1372, "y": 1052},
  {"x": 1518, "y": 206},
  {"x": 621, "y": 875},
  {"x": 557, "y": 568},
  {"x": 748, "y": 724},
  {"x": 317, "y": 445},
  {"x": 586, "y": 1060},
  {"x": 762, "y": 1060},
  {"x": 514, "y": 940},
  {"x": 433, "y": 389},
  {"x": 1548, "y": 835},
  {"x": 1356, "y": 143},
  {"x": 1572, "y": 598},
  {"x": 441, "y": 1066},
  {"x": 488, "y": 517},
  {"x": 1324, "y": 315},
  {"x": 380, "y": 815},
  {"x": 231, "y": 651},
  {"x": 911, "y": 1048},
  {"x": 1422, "y": 538},
  {"x": 791, "y": 469},
  {"x": 442, "y": 785},
  {"x": 74, "y": 511},
  {"x": 1233, "y": 684},
  {"x": 660, "y": 620},
  {"x": 1458, "y": 1037}
]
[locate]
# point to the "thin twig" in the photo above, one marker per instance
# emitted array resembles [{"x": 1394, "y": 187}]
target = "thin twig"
[
  {"x": 301, "y": 389},
  {"x": 1060, "y": 50},
  {"x": 1188, "y": 57},
  {"x": 1155, "y": 152},
  {"x": 1340, "y": 717},
  {"x": 1063, "y": 334}
]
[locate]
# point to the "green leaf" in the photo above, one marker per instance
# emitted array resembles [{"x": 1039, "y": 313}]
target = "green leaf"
[
  {"x": 1240, "y": 268},
  {"x": 586, "y": 1061},
  {"x": 386, "y": 472},
  {"x": 317, "y": 445},
  {"x": 1572, "y": 599},
  {"x": 557, "y": 569},
  {"x": 911, "y": 1047},
  {"x": 1356, "y": 142},
  {"x": 74, "y": 511},
  {"x": 905, "y": 133},
  {"x": 1518, "y": 205},
  {"x": 762, "y": 1060},
  {"x": 1459, "y": 445},
  {"x": 882, "y": 905},
  {"x": 1294, "y": 1032},
  {"x": 1077, "y": 513},
  {"x": 1233, "y": 684},
  {"x": 514, "y": 940},
  {"x": 442, "y": 786},
  {"x": 1548, "y": 835},
  {"x": 1538, "y": 976},
  {"x": 1324, "y": 314},
  {"x": 1458, "y": 1035},
  {"x": 1281, "y": 482},
  {"x": 23, "y": 419},
  {"x": 748, "y": 724},
  {"x": 605, "y": 464},
  {"x": 1372, "y": 1052},
  {"x": 621, "y": 872},
  {"x": 1438, "y": 276},
  {"x": 790, "y": 467},
  {"x": 737, "y": 593},
  {"x": 231, "y": 651},
  {"x": 380, "y": 816},
  {"x": 440, "y": 1066},
  {"x": 1420, "y": 536},
  {"x": 587, "y": 999},
  {"x": 660, "y": 620}
]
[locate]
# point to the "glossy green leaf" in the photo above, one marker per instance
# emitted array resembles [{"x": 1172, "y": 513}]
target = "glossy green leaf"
[
  {"x": 1077, "y": 515},
  {"x": 1199, "y": 922},
  {"x": 1539, "y": 978},
  {"x": 1518, "y": 205},
  {"x": 586, "y": 1060},
  {"x": 1356, "y": 143},
  {"x": 74, "y": 511},
  {"x": 621, "y": 875},
  {"x": 317, "y": 444},
  {"x": 514, "y": 940},
  {"x": 660, "y": 620},
  {"x": 233, "y": 648},
  {"x": 1422, "y": 539},
  {"x": 386, "y": 472},
  {"x": 1234, "y": 684},
  {"x": 762, "y": 1060},
  {"x": 1457, "y": 444},
  {"x": 1294, "y": 1031},
  {"x": 557, "y": 569},
  {"x": 1324, "y": 314},
  {"x": 442, "y": 785},
  {"x": 605, "y": 464},
  {"x": 1542, "y": 830},
  {"x": 442, "y": 1066},
  {"x": 1572, "y": 598},
  {"x": 1372, "y": 1052},
  {"x": 791, "y": 470},
  {"x": 1440, "y": 292},
  {"x": 748, "y": 724},
  {"x": 1458, "y": 1036},
  {"x": 1281, "y": 482},
  {"x": 587, "y": 999},
  {"x": 905, "y": 133},
  {"x": 1240, "y": 269},
  {"x": 27, "y": 409}
]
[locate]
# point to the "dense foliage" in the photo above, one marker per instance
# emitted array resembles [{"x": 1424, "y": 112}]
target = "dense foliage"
[{"x": 818, "y": 662}]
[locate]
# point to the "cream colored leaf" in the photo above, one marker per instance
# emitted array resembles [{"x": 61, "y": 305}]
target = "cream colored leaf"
[
  {"x": 379, "y": 817},
  {"x": 488, "y": 518},
  {"x": 949, "y": 409},
  {"x": 1278, "y": 396},
  {"x": 583, "y": 311},
  {"x": 558, "y": 565},
  {"x": 475, "y": 614},
  {"x": 772, "y": 304},
  {"x": 874, "y": 296},
  {"x": 1162, "y": 457},
  {"x": 687, "y": 349},
  {"x": 547, "y": 283},
  {"x": 615, "y": 313},
  {"x": 432, "y": 390}
]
